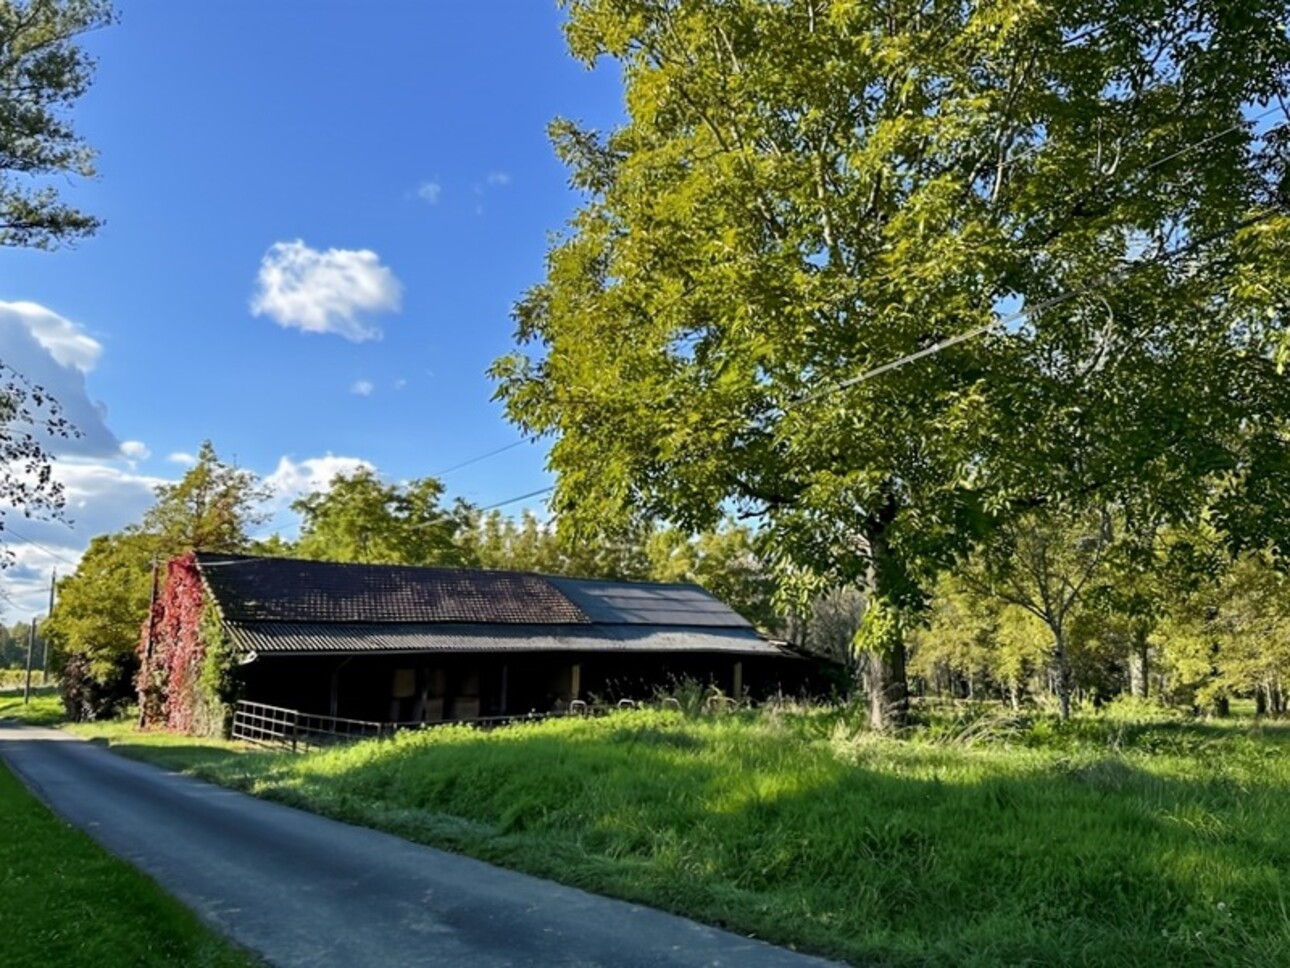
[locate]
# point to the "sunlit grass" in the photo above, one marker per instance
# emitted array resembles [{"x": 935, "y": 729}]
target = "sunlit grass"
[
  {"x": 45, "y": 708},
  {"x": 1130, "y": 838},
  {"x": 68, "y": 903}
]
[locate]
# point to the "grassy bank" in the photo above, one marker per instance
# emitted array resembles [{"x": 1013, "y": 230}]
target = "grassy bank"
[
  {"x": 45, "y": 708},
  {"x": 992, "y": 842},
  {"x": 68, "y": 903}
]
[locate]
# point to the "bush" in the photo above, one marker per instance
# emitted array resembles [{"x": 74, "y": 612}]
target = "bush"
[{"x": 96, "y": 690}]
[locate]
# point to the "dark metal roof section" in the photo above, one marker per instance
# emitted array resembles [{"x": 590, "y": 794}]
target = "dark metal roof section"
[
  {"x": 252, "y": 589},
  {"x": 294, "y": 607},
  {"x": 302, "y": 638},
  {"x": 637, "y": 603}
]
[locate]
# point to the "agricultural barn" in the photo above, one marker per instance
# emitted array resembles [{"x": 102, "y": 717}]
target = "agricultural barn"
[{"x": 397, "y": 644}]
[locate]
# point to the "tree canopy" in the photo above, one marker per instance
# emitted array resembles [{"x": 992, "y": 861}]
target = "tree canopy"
[
  {"x": 43, "y": 71},
  {"x": 806, "y": 192}
]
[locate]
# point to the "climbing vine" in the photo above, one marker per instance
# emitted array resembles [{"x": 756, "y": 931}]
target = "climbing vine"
[{"x": 186, "y": 671}]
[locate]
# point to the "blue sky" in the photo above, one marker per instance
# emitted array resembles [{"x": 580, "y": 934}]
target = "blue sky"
[{"x": 318, "y": 216}]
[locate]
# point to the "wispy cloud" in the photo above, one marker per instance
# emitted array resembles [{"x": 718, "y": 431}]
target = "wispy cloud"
[
  {"x": 498, "y": 179},
  {"x": 292, "y": 478},
  {"x": 182, "y": 458},
  {"x": 135, "y": 450},
  {"x": 330, "y": 291},
  {"x": 363, "y": 388},
  {"x": 429, "y": 192}
]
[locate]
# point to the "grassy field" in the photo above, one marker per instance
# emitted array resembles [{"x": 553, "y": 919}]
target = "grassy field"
[
  {"x": 66, "y": 902},
  {"x": 986, "y": 841},
  {"x": 44, "y": 709}
]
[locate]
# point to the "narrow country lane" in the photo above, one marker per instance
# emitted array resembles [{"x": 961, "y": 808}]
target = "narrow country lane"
[{"x": 304, "y": 890}]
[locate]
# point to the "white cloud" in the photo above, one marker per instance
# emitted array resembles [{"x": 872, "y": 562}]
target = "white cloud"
[
  {"x": 363, "y": 388},
  {"x": 182, "y": 458},
  {"x": 325, "y": 292},
  {"x": 498, "y": 179},
  {"x": 101, "y": 497},
  {"x": 429, "y": 192},
  {"x": 53, "y": 353},
  {"x": 67, "y": 343},
  {"x": 135, "y": 450},
  {"x": 293, "y": 479}
]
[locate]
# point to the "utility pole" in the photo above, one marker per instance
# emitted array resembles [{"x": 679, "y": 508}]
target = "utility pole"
[
  {"x": 146, "y": 672},
  {"x": 31, "y": 642},
  {"x": 44, "y": 639}
]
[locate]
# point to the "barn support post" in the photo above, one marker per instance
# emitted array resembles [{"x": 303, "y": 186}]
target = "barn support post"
[
  {"x": 504, "y": 707},
  {"x": 738, "y": 681},
  {"x": 334, "y": 705},
  {"x": 575, "y": 681}
]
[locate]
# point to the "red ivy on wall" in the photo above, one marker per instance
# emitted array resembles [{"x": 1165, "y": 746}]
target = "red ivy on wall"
[{"x": 171, "y": 649}]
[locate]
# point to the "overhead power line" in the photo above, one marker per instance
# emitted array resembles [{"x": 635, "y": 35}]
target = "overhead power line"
[
  {"x": 36, "y": 544},
  {"x": 522, "y": 497},
  {"x": 475, "y": 460}
]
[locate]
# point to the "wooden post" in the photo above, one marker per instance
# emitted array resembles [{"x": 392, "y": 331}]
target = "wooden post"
[
  {"x": 44, "y": 639},
  {"x": 505, "y": 677},
  {"x": 738, "y": 693},
  {"x": 31, "y": 644},
  {"x": 575, "y": 680},
  {"x": 147, "y": 649}
]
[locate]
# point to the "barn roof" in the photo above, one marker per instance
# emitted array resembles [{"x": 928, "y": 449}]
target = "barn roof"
[{"x": 287, "y": 605}]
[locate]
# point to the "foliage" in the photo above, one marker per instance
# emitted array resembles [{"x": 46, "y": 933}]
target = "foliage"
[
  {"x": 70, "y": 903},
  {"x": 43, "y": 71},
  {"x": 95, "y": 625},
  {"x": 211, "y": 508},
  {"x": 184, "y": 681},
  {"x": 805, "y": 191},
  {"x": 360, "y": 518},
  {"x": 1101, "y": 840},
  {"x": 29, "y": 420}
]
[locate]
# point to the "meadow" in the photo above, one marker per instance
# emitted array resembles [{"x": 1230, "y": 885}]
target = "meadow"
[{"x": 1129, "y": 837}]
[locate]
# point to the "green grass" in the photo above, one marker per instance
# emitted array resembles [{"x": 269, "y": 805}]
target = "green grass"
[
  {"x": 986, "y": 841},
  {"x": 44, "y": 709},
  {"x": 66, "y": 902}
]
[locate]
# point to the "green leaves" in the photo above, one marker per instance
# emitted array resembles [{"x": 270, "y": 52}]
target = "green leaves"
[
  {"x": 360, "y": 518},
  {"x": 43, "y": 72}
]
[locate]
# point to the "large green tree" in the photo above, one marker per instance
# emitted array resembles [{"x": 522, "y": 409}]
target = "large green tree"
[
  {"x": 806, "y": 191},
  {"x": 362, "y": 518}
]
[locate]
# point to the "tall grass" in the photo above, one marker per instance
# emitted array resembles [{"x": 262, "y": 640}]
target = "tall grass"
[{"x": 989, "y": 839}]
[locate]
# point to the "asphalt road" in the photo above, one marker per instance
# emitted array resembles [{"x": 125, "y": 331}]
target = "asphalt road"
[{"x": 304, "y": 890}]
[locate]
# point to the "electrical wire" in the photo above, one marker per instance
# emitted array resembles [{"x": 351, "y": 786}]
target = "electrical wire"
[
  {"x": 49, "y": 551},
  {"x": 513, "y": 500},
  {"x": 476, "y": 460}
]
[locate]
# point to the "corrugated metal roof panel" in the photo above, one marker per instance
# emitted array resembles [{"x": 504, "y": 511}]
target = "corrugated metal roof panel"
[
  {"x": 334, "y": 638},
  {"x": 253, "y": 589},
  {"x": 637, "y": 603}
]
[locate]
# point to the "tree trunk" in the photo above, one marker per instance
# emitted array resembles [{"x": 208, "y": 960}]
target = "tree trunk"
[
  {"x": 1222, "y": 707},
  {"x": 882, "y": 638},
  {"x": 1139, "y": 667},
  {"x": 886, "y": 685},
  {"x": 1261, "y": 699},
  {"x": 1063, "y": 671}
]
